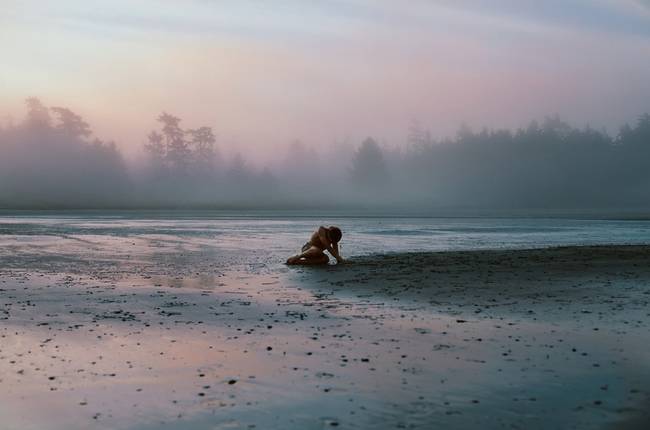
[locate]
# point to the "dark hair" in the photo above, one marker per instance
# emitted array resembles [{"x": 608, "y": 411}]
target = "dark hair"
[{"x": 335, "y": 234}]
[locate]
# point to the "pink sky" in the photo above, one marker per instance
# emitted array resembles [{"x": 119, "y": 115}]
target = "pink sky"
[{"x": 264, "y": 73}]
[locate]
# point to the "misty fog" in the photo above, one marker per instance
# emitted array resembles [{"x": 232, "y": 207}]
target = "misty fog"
[{"x": 51, "y": 159}]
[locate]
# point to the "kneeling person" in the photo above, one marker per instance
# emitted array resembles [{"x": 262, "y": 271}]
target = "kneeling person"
[{"x": 313, "y": 252}]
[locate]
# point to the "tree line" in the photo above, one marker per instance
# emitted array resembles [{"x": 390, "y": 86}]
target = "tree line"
[{"x": 52, "y": 159}]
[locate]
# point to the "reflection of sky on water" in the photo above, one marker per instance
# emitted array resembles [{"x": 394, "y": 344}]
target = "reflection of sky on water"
[
  {"x": 359, "y": 361},
  {"x": 280, "y": 236},
  {"x": 356, "y": 361}
]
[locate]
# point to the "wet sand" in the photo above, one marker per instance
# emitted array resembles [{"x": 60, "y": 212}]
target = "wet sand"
[{"x": 531, "y": 339}]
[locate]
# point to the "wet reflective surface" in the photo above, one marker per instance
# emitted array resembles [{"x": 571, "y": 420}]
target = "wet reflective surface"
[
  {"x": 280, "y": 234},
  {"x": 133, "y": 325}
]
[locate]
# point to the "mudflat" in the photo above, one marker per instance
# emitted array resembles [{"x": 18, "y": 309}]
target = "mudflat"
[
  {"x": 608, "y": 281},
  {"x": 543, "y": 338}
]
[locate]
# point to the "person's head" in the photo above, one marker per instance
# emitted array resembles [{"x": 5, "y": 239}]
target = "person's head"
[{"x": 334, "y": 234}]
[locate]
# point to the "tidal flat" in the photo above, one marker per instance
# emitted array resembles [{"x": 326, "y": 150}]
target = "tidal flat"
[{"x": 152, "y": 330}]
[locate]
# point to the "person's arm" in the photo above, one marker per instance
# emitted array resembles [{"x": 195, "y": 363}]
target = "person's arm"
[
  {"x": 335, "y": 253},
  {"x": 332, "y": 248},
  {"x": 329, "y": 247}
]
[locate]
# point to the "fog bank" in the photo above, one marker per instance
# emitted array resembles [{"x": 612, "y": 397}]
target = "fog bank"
[{"x": 50, "y": 159}]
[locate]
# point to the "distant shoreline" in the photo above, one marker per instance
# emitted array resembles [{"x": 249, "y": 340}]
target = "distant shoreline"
[{"x": 160, "y": 212}]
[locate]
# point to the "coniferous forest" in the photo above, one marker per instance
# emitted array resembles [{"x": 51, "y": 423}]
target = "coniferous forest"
[{"x": 51, "y": 159}]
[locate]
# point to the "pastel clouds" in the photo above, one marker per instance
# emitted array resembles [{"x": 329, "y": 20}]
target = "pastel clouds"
[{"x": 263, "y": 73}]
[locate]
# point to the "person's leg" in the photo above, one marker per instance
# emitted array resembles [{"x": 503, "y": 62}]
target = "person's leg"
[
  {"x": 295, "y": 258},
  {"x": 315, "y": 260},
  {"x": 313, "y": 255}
]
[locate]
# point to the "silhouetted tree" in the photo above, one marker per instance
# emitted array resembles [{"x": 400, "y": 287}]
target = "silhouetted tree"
[
  {"x": 637, "y": 135},
  {"x": 43, "y": 165},
  {"x": 70, "y": 123},
  {"x": 553, "y": 128},
  {"x": 52, "y": 159},
  {"x": 177, "y": 152},
  {"x": 202, "y": 141},
  {"x": 368, "y": 167},
  {"x": 155, "y": 147},
  {"x": 38, "y": 116}
]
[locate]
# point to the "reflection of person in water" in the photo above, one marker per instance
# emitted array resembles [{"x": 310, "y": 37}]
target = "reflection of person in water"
[{"x": 313, "y": 252}]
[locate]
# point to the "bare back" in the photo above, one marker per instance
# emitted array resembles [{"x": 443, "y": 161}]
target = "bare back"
[{"x": 317, "y": 241}]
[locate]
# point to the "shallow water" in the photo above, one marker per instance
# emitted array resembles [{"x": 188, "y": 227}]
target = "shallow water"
[
  {"x": 264, "y": 352},
  {"x": 146, "y": 322},
  {"x": 280, "y": 235}
]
